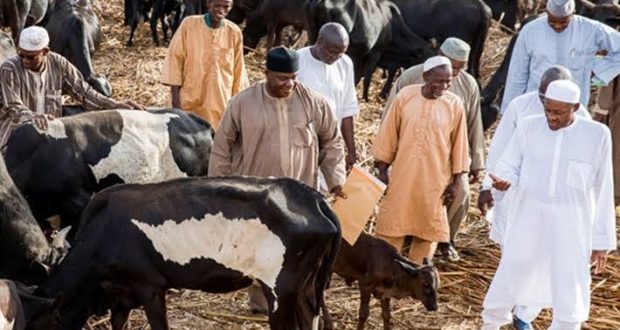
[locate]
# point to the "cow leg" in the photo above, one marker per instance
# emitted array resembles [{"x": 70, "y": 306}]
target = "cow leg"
[
  {"x": 119, "y": 317},
  {"x": 158, "y": 11},
  {"x": 364, "y": 305},
  {"x": 327, "y": 318},
  {"x": 371, "y": 65},
  {"x": 285, "y": 317},
  {"x": 385, "y": 313},
  {"x": 154, "y": 302},
  {"x": 391, "y": 73}
]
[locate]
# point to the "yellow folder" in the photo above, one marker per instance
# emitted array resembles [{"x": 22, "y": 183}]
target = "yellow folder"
[{"x": 363, "y": 193}]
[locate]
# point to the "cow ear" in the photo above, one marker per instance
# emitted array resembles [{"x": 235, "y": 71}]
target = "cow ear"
[
  {"x": 427, "y": 262},
  {"x": 406, "y": 267}
]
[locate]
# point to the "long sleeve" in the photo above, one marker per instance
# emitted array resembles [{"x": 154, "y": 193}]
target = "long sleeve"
[
  {"x": 73, "y": 84},
  {"x": 240, "y": 80},
  {"x": 13, "y": 110},
  {"x": 331, "y": 146},
  {"x": 518, "y": 71},
  {"x": 459, "y": 154},
  {"x": 608, "y": 67},
  {"x": 350, "y": 106},
  {"x": 508, "y": 166},
  {"x": 172, "y": 71},
  {"x": 226, "y": 136},
  {"x": 504, "y": 131},
  {"x": 385, "y": 145},
  {"x": 604, "y": 231},
  {"x": 475, "y": 134}
]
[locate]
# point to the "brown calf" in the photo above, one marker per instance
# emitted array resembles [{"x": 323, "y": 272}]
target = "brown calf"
[{"x": 379, "y": 269}]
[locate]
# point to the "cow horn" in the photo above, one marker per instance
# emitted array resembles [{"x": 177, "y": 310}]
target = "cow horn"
[
  {"x": 407, "y": 267},
  {"x": 588, "y": 4},
  {"x": 60, "y": 240}
]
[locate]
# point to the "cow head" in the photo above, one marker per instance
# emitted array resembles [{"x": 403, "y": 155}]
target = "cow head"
[
  {"x": 100, "y": 83},
  {"x": 418, "y": 282}
]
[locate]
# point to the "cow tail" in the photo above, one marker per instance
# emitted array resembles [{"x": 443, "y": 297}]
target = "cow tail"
[
  {"x": 478, "y": 43},
  {"x": 325, "y": 270}
]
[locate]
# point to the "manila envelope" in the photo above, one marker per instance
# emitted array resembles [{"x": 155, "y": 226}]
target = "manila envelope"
[{"x": 363, "y": 193}]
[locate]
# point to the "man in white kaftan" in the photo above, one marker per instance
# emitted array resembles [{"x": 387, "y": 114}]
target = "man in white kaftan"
[
  {"x": 561, "y": 172},
  {"x": 565, "y": 39}
]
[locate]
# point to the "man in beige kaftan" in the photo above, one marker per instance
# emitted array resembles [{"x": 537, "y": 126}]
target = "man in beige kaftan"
[
  {"x": 424, "y": 139},
  {"x": 608, "y": 113},
  {"x": 279, "y": 128},
  {"x": 465, "y": 87}
]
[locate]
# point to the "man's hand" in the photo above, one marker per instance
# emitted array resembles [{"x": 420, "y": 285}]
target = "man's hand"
[
  {"x": 450, "y": 192},
  {"x": 337, "y": 190},
  {"x": 499, "y": 184},
  {"x": 42, "y": 121},
  {"x": 599, "y": 260},
  {"x": 350, "y": 160},
  {"x": 485, "y": 201},
  {"x": 130, "y": 105},
  {"x": 474, "y": 176}
]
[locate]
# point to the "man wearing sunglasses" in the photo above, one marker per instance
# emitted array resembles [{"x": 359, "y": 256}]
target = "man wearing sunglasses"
[{"x": 32, "y": 84}]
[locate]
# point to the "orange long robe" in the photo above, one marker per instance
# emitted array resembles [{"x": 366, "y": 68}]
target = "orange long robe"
[
  {"x": 208, "y": 65},
  {"x": 425, "y": 141}
]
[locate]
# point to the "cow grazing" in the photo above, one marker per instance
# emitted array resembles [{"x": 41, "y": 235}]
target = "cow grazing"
[
  {"x": 211, "y": 234},
  {"x": 136, "y": 12},
  {"x": 20, "y": 309},
  {"x": 58, "y": 170},
  {"x": 383, "y": 272},
  {"x": 267, "y": 18},
  {"x": 374, "y": 26},
  {"x": 18, "y": 14},
  {"x": 80, "y": 45},
  {"x": 25, "y": 252}
]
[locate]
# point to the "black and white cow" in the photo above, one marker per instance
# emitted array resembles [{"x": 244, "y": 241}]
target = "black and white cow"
[
  {"x": 25, "y": 254},
  {"x": 212, "y": 234},
  {"x": 58, "y": 170},
  {"x": 20, "y": 309}
]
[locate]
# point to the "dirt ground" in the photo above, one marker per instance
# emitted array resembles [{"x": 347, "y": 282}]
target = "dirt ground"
[{"x": 134, "y": 73}]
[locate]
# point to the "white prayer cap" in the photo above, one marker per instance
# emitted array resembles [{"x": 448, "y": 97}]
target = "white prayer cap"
[
  {"x": 560, "y": 8},
  {"x": 34, "y": 38},
  {"x": 436, "y": 61},
  {"x": 564, "y": 91},
  {"x": 455, "y": 49}
]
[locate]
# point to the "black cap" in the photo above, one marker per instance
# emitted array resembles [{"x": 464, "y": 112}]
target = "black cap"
[{"x": 280, "y": 59}]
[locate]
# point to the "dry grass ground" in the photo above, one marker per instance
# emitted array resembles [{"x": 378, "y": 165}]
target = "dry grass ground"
[{"x": 134, "y": 73}]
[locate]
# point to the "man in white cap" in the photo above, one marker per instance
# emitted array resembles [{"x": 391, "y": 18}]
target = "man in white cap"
[
  {"x": 560, "y": 37},
  {"x": 465, "y": 87},
  {"x": 562, "y": 214},
  {"x": 32, "y": 84},
  {"x": 498, "y": 202},
  {"x": 423, "y": 138}
]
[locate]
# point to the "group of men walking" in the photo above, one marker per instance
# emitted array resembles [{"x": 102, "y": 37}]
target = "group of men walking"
[{"x": 548, "y": 187}]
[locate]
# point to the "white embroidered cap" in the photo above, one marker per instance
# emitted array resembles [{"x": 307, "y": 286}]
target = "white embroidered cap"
[
  {"x": 561, "y": 8},
  {"x": 564, "y": 91},
  {"x": 34, "y": 38},
  {"x": 435, "y": 61},
  {"x": 455, "y": 48}
]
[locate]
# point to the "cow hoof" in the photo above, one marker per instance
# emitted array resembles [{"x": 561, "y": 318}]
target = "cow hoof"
[{"x": 129, "y": 44}]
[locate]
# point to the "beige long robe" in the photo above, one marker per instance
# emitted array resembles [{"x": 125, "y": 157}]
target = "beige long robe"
[
  {"x": 465, "y": 87},
  {"x": 425, "y": 141},
  {"x": 208, "y": 65},
  {"x": 609, "y": 99},
  {"x": 284, "y": 137}
]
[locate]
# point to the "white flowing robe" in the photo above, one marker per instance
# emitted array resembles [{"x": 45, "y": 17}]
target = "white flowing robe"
[
  {"x": 523, "y": 106},
  {"x": 538, "y": 47},
  {"x": 563, "y": 209}
]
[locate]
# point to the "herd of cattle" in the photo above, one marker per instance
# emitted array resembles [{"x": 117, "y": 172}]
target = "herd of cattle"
[{"x": 138, "y": 215}]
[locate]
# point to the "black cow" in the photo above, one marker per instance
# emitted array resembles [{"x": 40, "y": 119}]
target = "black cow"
[
  {"x": 58, "y": 170},
  {"x": 20, "y": 309},
  {"x": 18, "y": 14},
  {"x": 136, "y": 12},
  {"x": 604, "y": 11},
  {"x": 137, "y": 241},
  {"x": 195, "y": 7},
  {"x": 507, "y": 12},
  {"x": 267, "y": 18},
  {"x": 25, "y": 253},
  {"x": 374, "y": 26},
  {"x": 80, "y": 45}
]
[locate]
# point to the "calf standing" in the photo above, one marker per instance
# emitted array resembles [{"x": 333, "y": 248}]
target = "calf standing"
[
  {"x": 20, "y": 309},
  {"x": 383, "y": 272}
]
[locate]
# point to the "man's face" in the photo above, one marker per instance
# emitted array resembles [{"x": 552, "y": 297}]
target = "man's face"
[
  {"x": 559, "y": 114},
  {"x": 438, "y": 80},
  {"x": 330, "y": 52},
  {"x": 32, "y": 60},
  {"x": 457, "y": 67},
  {"x": 558, "y": 24},
  {"x": 218, "y": 9},
  {"x": 280, "y": 84}
]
